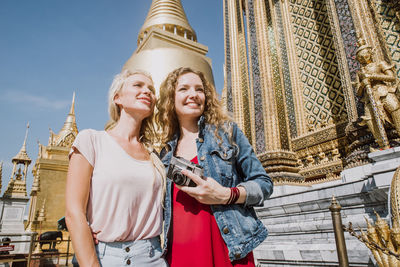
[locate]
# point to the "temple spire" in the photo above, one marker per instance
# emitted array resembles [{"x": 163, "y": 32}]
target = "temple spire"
[
  {"x": 166, "y": 42},
  {"x": 72, "y": 110},
  {"x": 169, "y": 16},
  {"x": 16, "y": 187},
  {"x": 69, "y": 130},
  {"x": 70, "y": 122},
  {"x": 22, "y": 155}
]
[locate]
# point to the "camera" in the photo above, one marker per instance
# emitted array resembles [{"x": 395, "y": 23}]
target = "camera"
[{"x": 178, "y": 164}]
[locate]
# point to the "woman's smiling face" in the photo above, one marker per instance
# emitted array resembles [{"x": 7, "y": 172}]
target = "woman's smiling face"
[
  {"x": 137, "y": 95},
  {"x": 189, "y": 96}
]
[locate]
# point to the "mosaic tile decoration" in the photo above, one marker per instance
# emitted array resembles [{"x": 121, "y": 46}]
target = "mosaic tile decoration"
[
  {"x": 349, "y": 37},
  {"x": 283, "y": 132},
  {"x": 323, "y": 95},
  {"x": 229, "y": 101},
  {"x": 256, "y": 78},
  {"x": 391, "y": 28},
  {"x": 286, "y": 73},
  {"x": 243, "y": 68}
]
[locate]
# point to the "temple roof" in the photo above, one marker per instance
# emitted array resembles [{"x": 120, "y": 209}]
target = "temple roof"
[
  {"x": 167, "y": 14},
  {"x": 69, "y": 130}
]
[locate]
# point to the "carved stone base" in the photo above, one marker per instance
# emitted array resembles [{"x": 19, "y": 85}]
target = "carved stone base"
[
  {"x": 360, "y": 141},
  {"x": 281, "y": 165}
]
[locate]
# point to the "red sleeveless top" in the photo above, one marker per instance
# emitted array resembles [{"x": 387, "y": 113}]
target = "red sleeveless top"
[{"x": 195, "y": 239}]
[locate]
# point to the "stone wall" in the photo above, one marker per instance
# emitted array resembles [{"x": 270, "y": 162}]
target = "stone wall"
[{"x": 300, "y": 224}]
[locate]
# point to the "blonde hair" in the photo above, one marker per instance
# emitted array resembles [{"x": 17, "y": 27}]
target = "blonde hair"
[
  {"x": 147, "y": 130},
  {"x": 166, "y": 117},
  {"x": 160, "y": 168}
]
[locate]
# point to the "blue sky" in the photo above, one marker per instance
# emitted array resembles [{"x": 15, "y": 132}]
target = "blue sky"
[{"x": 51, "y": 48}]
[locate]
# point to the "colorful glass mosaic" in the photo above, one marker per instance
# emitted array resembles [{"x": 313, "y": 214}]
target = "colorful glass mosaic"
[
  {"x": 228, "y": 78},
  {"x": 243, "y": 68},
  {"x": 286, "y": 73},
  {"x": 349, "y": 37},
  {"x": 323, "y": 95},
  {"x": 256, "y": 78},
  {"x": 284, "y": 139},
  {"x": 391, "y": 28}
]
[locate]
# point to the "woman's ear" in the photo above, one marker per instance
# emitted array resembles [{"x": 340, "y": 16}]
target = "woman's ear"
[{"x": 117, "y": 99}]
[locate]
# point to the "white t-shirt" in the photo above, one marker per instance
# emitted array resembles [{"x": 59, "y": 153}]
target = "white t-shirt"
[{"x": 125, "y": 193}]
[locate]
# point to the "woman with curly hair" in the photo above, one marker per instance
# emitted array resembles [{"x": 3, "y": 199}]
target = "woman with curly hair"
[
  {"x": 115, "y": 183},
  {"x": 209, "y": 221}
]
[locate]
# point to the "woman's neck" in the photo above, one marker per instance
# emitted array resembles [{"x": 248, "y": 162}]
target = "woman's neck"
[
  {"x": 189, "y": 131},
  {"x": 188, "y": 128},
  {"x": 127, "y": 128}
]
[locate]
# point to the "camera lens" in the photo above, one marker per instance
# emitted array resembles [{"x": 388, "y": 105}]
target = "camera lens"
[{"x": 179, "y": 178}]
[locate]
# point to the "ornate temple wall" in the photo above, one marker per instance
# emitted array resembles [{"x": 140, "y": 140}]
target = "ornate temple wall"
[
  {"x": 290, "y": 73},
  {"x": 309, "y": 111}
]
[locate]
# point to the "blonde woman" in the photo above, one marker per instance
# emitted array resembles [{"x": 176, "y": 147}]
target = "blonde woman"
[
  {"x": 212, "y": 224},
  {"x": 115, "y": 182}
]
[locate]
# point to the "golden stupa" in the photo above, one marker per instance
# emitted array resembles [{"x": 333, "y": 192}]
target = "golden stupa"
[
  {"x": 166, "y": 41},
  {"x": 16, "y": 187}
]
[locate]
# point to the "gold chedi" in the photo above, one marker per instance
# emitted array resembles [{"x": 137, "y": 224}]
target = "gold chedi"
[{"x": 166, "y": 42}]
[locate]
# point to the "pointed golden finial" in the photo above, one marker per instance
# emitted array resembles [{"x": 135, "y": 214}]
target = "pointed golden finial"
[
  {"x": 22, "y": 156},
  {"x": 69, "y": 127},
  {"x": 382, "y": 227},
  {"x": 169, "y": 16},
  {"x": 1, "y": 173},
  {"x": 335, "y": 206},
  {"x": 369, "y": 225},
  {"x": 72, "y": 110},
  {"x": 26, "y": 136},
  {"x": 380, "y": 221}
]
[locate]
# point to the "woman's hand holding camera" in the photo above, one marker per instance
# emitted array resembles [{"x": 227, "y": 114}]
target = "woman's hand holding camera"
[{"x": 208, "y": 191}]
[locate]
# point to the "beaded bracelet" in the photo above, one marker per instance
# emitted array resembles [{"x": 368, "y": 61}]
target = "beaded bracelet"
[{"x": 235, "y": 194}]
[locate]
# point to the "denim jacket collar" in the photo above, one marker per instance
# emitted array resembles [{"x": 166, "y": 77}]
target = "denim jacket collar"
[{"x": 201, "y": 124}]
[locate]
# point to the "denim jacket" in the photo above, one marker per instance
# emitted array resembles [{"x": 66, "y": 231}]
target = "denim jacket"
[{"x": 231, "y": 164}]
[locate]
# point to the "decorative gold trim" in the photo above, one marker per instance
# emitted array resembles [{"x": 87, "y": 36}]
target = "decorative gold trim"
[{"x": 323, "y": 135}]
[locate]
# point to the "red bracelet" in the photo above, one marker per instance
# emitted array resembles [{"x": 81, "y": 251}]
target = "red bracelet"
[{"x": 235, "y": 194}]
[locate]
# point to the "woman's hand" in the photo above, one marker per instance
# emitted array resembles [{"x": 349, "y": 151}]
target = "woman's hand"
[
  {"x": 94, "y": 235},
  {"x": 208, "y": 191}
]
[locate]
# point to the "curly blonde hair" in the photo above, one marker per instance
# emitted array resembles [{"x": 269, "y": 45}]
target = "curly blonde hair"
[
  {"x": 166, "y": 117},
  {"x": 147, "y": 130}
]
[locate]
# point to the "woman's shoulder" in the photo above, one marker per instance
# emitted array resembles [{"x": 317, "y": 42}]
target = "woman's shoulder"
[
  {"x": 90, "y": 134},
  {"x": 90, "y": 131},
  {"x": 225, "y": 127},
  {"x": 86, "y": 143}
]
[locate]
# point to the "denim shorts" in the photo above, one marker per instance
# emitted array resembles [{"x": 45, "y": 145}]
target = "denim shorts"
[{"x": 137, "y": 253}]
